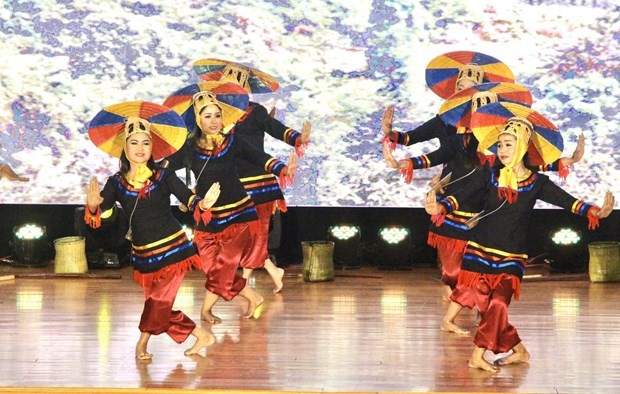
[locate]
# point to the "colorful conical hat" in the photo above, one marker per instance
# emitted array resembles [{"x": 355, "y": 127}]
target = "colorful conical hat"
[
  {"x": 217, "y": 69},
  {"x": 442, "y": 71},
  {"x": 233, "y": 100},
  {"x": 168, "y": 132},
  {"x": 456, "y": 110},
  {"x": 487, "y": 123}
]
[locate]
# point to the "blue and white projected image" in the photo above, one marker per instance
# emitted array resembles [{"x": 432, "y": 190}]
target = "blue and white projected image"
[{"x": 339, "y": 64}]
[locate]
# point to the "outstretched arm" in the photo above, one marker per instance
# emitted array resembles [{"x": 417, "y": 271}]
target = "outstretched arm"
[
  {"x": 93, "y": 195},
  {"x": 577, "y": 154},
  {"x": 608, "y": 206},
  {"x": 387, "y": 123},
  {"x": 7, "y": 172}
]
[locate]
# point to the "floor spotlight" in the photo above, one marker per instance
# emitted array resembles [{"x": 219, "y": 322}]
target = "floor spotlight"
[
  {"x": 347, "y": 245},
  {"x": 30, "y": 245},
  {"x": 396, "y": 248},
  {"x": 567, "y": 252}
]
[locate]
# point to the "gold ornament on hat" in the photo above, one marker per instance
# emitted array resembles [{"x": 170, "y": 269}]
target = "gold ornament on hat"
[
  {"x": 469, "y": 72},
  {"x": 136, "y": 125},
  {"x": 238, "y": 74},
  {"x": 480, "y": 99}
]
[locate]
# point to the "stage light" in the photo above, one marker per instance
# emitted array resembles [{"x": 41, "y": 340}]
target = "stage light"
[
  {"x": 30, "y": 245},
  {"x": 395, "y": 248},
  {"x": 567, "y": 252},
  {"x": 565, "y": 236},
  {"x": 347, "y": 245}
]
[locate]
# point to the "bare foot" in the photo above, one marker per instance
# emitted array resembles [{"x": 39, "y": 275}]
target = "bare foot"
[
  {"x": 277, "y": 280},
  {"x": 203, "y": 339},
  {"x": 210, "y": 317},
  {"x": 255, "y": 308},
  {"x": 446, "y": 292},
  {"x": 482, "y": 364},
  {"x": 451, "y": 327},
  {"x": 519, "y": 355},
  {"x": 141, "y": 353}
]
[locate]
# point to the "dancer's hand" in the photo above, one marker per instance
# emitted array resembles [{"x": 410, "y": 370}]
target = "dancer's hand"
[
  {"x": 7, "y": 172},
  {"x": 577, "y": 154},
  {"x": 305, "y": 132},
  {"x": 431, "y": 205},
  {"x": 93, "y": 195},
  {"x": 391, "y": 161},
  {"x": 386, "y": 122},
  {"x": 291, "y": 167},
  {"x": 210, "y": 197},
  {"x": 607, "y": 207}
]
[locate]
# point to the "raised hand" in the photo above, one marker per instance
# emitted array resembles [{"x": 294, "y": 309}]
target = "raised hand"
[
  {"x": 577, "y": 154},
  {"x": 93, "y": 195},
  {"x": 431, "y": 205},
  {"x": 7, "y": 172},
  {"x": 291, "y": 167},
  {"x": 305, "y": 132},
  {"x": 608, "y": 206},
  {"x": 391, "y": 161},
  {"x": 211, "y": 196},
  {"x": 386, "y": 122}
]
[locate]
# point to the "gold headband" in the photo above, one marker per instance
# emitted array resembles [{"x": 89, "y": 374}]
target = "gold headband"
[
  {"x": 521, "y": 128},
  {"x": 237, "y": 74},
  {"x": 136, "y": 125},
  {"x": 471, "y": 72},
  {"x": 480, "y": 99}
]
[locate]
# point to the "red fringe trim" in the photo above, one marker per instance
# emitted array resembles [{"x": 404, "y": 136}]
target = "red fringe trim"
[
  {"x": 506, "y": 193},
  {"x": 438, "y": 219},
  {"x": 202, "y": 216},
  {"x": 180, "y": 268},
  {"x": 593, "y": 221},
  {"x": 408, "y": 172},
  {"x": 391, "y": 144},
  {"x": 144, "y": 192},
  {"x": 300, "y": 149},
  {"x": 563, "y": 170},
  {"x": 93, "y": 220},
  {"x": 471, "y": 279},
  {"x": 439, "y": 241},
  {"x": 281, "y": 205}
]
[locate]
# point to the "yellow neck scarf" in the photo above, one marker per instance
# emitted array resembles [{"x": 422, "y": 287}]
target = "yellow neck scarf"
[{"x": 142, "y": 175}]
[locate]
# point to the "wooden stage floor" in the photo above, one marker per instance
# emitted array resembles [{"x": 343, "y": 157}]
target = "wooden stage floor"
[{"x": 367, "y": 331}]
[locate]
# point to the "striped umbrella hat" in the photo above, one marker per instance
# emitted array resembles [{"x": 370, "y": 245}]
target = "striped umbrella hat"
[
  {"x": 443, "y": 71},
  {"x": 232, "y": 99},
  {"x": 107, "y": 129},
  {"x": 546, "y": 143},
  {"x": 457, "y": 109},
  {"x": 251, "y": 79}
]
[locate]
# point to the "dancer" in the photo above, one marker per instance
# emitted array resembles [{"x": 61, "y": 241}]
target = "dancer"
[
  {"x": 225, "y": 241},
  {"x": 460, "y": 156},
  {"x": 261, "y": 186},
  {"x": 494, "y": 259},
  {"x": 138, "y": 133}
]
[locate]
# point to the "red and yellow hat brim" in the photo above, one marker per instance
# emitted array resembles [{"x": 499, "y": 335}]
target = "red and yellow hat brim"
[
  {"x": 168, "y": 132},
  {"x": 442, "y": 71},
  {"x": 258, "y": 82},
  {"x": 546, "y": 143},
  {"x": 456, "y": 110},
  {"x": 232, "y": 98}
]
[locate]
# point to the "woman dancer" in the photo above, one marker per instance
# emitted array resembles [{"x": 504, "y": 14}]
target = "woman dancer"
[
  {"x": 262, "y": 186},
  {"x": 494, "y": 259},
  {"x": 225, "y": 241},
  {"x": 139, "y": 132}
]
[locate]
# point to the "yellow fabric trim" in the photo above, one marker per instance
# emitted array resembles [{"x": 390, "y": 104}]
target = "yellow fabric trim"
[
  {"x": 225, "y": 207},
  {"x": 161, "y": 241},
  {"x": 496, "y": 251},
  {"x": 107, "y": 213},
  {"x": 257, "y": 178},
  {"x": 463, "y": 213}
]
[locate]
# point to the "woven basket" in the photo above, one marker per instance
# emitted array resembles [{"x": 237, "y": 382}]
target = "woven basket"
[
  {"x": 70, "y": 255},
  {"x": 318, "y": 261},
  {"x": 604, "y": 261}
]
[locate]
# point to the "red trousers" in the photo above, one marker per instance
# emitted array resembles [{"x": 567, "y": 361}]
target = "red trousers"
[
  {"x": 221, "y": 254},
  {"x": 450, "y": 257},
  {"x": 158, "y": 316},
  {"x": 494, "y": 332},
  {"x": 255, "y": 259}
]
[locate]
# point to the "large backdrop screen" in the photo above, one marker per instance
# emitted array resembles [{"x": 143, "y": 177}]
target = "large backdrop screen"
[{"x": 339, "y": 64}]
